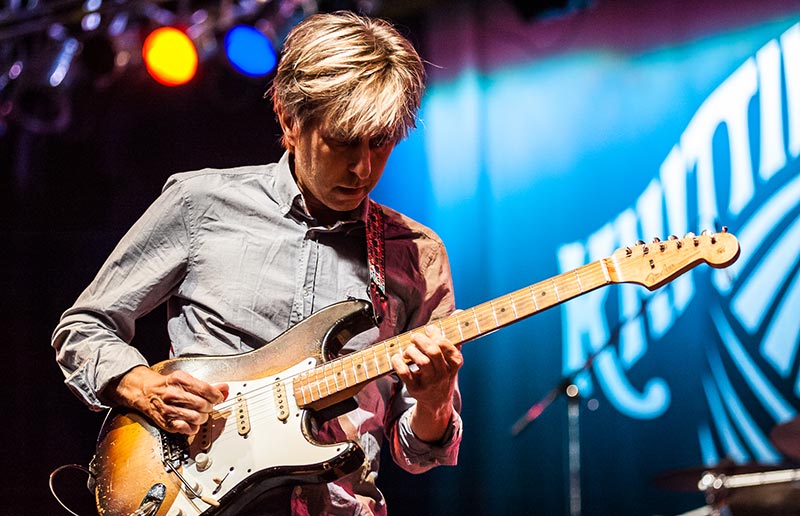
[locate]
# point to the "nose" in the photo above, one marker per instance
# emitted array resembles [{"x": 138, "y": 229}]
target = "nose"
[{"x": 362, "y": 159}]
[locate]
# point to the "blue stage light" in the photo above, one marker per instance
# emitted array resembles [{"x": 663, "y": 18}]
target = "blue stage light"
[{"x": 250, "y": 51}]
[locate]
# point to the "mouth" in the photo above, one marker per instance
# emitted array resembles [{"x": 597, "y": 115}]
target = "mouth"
[{"x": 353, "y": 190}]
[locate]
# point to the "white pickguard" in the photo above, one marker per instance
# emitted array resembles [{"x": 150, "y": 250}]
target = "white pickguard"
[{"x": 270, "y": 442}]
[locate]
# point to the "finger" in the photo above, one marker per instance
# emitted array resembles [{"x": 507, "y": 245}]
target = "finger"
[
  {"x": 452, "y": 356},
  {"x": 434, "y": 331},
  {"x": 175, "y": 397},
  {"x": 399, "y": 364},
  {"x": 224, "y": 389},
  {"x": 183, "y": 420},
  {"x": 181, "y": 426},
  {"x": 414, "y": 355},
  {"x": 210, "y": 393}
]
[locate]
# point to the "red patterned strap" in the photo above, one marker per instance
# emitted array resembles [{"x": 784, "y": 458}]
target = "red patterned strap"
[{"x": 377, "y": 260}]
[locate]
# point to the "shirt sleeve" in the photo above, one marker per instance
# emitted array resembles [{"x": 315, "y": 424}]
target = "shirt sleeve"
[
  {"x": 92, "y": 339},
  {"x": 408, "y": 451}
]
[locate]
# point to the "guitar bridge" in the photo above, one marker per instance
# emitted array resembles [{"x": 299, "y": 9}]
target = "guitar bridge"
[{"x": 174, "y": 448}]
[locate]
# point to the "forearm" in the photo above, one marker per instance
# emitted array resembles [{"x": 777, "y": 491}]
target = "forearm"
[
  {"x": 430, "y": 423},
  {"x": 90, "y": 355},
  {"x": 416, "y": 455}
]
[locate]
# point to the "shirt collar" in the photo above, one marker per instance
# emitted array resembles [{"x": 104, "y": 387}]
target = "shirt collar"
[{"x": 290, "y": 198}]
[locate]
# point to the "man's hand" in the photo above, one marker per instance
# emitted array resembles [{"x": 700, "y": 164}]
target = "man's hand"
[
  {"x": 429, "y": 369},
  {"x": 177, "y": 402}
]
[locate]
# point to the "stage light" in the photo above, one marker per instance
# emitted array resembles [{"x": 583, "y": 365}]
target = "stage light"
[
  {"x": 40, "y": 99},
  {"x": 250, "y": 51},
  {"x": 170, "y": 56}
]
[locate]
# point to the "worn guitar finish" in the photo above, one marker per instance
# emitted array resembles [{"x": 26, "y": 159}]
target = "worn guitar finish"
[{"x": 260, "y": 438}]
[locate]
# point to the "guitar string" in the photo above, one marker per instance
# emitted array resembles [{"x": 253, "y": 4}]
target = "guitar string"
[
  {"x": 449, "y": 325},
  {"x": 569, "y": 283},
  {"x": 591, "y": 271},
  {"x": 595, "y": 272}
]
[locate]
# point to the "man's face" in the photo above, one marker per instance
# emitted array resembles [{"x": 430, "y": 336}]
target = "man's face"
[{"x": 335, "y": 175}]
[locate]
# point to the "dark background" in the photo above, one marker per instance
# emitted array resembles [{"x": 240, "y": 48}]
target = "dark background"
[{"x": 66, "y": 197}]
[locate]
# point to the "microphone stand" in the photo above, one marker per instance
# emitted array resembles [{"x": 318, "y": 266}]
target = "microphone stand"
[{"x": 567, "y": 386}]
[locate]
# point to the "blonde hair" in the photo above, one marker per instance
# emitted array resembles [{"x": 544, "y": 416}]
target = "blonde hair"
[{"x": 355, "y": 76}]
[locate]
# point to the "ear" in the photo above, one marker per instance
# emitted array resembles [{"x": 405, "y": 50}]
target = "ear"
[{"x": 291, "y": 130}]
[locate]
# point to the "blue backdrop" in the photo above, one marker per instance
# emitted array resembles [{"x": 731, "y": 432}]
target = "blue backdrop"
[
  {"x": 544, "y": 144},
  {"x": 547, "y": 144}
]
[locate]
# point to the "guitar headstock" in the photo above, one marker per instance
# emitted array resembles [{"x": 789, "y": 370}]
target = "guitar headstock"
[{"x": 654, "y": 264}]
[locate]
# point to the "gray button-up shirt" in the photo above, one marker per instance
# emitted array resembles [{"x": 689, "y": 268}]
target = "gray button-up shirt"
[{"x": 238, "y": 261}]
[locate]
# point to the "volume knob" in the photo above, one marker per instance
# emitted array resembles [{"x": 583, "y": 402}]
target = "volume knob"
[{"x": 202, "y": 462}]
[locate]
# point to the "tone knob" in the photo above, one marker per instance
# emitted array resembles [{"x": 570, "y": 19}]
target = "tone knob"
[
  {"x": 196, "y": 488},
  {"x": 175, "y": 511}
]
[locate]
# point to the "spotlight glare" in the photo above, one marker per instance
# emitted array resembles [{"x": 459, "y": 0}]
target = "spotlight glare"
[
  {"x": 90, "y": 22},
  {"x": 250, "y": 51},
  {"x": 170, "y": 56}
]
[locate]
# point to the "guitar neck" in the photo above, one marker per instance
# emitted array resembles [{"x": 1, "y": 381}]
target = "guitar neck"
[{"x": 349, "y": 373}]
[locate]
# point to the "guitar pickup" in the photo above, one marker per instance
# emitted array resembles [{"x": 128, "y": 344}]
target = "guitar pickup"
[
  {"x": 279, "y": 394},
  {"x": 242, "y": 415}
]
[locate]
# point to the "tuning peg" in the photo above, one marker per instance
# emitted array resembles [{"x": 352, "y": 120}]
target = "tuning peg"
[
  {"x": 690, "y": 235},
  {"x": 724, "y": 229},
  {"x": 628, "y": 251},
  {"x": 656, "y": 240},
  {"x": 640, "y": 242},
  {"x": 710, "y": 234}
]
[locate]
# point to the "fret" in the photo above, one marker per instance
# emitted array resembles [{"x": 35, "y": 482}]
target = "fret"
[
  {"x": 341, "y": 373},
  {"x": 513, "y": 306},
  {"x": 306, "y": 388},
  {"x": 364, "y": 363},
  {"x": 533, "y": 296},
  {"x": 356, "y": 368},
  {"x": 458, "y": 325},
  {"x": 578, "y": 279},
  {"x": 331, "y": 374},
  {"x": 555, "y": 289},
  {"x": 453, "y": 332},
  {"x": 487, "y": 318},
  {"x": 316, "y": 380},
  {"x": 386, "y": 350},
  {"x": 298, "y": 387},
  {"x": 505, "y": 315},
  {"x": 477, "y": 324},
  {"x": 463, "y": 326},
  {"x": 375, "y": 360},
  {"x": 494, "y": 313},
  {"x": 604, "y": 268}
]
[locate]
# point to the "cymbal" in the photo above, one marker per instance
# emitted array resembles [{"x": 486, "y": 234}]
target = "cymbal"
[
  {"x": 749, "y": 489},
  {"x": 768, "y": 500},
  {"x": 687, "y": 479},
  {"x": 786, "y": 437}
]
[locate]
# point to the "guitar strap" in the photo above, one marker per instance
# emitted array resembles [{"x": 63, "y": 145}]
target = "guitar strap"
[{"x": 377, "y": 261}]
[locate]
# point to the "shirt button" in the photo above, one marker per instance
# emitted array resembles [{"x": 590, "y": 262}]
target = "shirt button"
[{"x": 306, "y": 292}]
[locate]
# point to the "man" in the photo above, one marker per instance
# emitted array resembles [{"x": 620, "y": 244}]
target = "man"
[{"x": 242, "y": 255}]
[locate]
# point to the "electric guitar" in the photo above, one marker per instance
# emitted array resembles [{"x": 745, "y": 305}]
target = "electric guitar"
[{"x": 260, "y": 438}]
